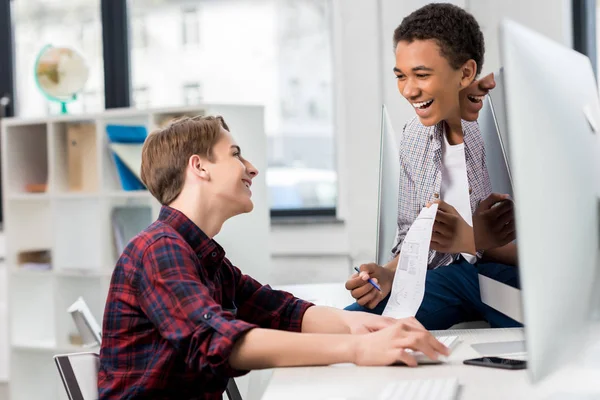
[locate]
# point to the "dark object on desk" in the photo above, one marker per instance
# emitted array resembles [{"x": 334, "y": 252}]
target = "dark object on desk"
[{"x": 497, "y": 362}]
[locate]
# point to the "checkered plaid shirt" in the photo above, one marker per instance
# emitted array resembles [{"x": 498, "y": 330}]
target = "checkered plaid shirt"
[
  {"x": 421, "y": 176},
  {"x": 175, "y": 308}
]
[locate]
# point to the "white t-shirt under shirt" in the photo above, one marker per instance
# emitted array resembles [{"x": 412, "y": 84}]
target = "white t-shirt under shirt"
[{"x": 455, "y": 184}]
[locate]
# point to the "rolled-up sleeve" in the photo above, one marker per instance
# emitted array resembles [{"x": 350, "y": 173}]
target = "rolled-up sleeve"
[
  {"x": 266, "y": 307},
  {"x": 176, "y": 301}
]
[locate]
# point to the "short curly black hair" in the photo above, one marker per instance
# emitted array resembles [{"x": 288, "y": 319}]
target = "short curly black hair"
[{"x": 454, "y": 29}]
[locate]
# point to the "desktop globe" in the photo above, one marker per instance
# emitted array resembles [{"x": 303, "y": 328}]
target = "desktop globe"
[{"x": 60, "y": 73}]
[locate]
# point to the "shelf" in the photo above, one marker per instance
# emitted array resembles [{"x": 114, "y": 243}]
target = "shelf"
[
  {"x": 133, "y": 194},
  {"x": 110, "y": 177},
  {"x": 73, "y": 156},
  {"x": 32, "y": 295},
  {"x": 87, "y": 273},
  {"x": 16, "y": 271},
  {"x": 30, "y": 226},
  {"x": 76, "y": 227},
  {"x": 34, "y": 345},
  {"x": 26, "y": 152},
  {"x": 27, "y": 196},
  {"x": 75, "y": 196},
  {"x": 68, "y": 290},
  {"x": 125, "y": 217},
  {"x": 52, "y": 348},
  {"x": 33, "y": 375},
  {"x": 77, "y": 234}
]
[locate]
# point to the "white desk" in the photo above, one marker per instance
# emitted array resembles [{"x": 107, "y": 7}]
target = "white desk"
[{"x": 353, "y": 383}]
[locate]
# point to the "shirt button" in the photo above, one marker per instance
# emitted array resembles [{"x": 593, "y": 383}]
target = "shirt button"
[
  {"x": 436, "y": 195},
  {"x": 470, "y": 190},
  {"x": 207, "y": 316},
  {"x": 214, "y": 254},
  {"x": 430, "y": 137}
]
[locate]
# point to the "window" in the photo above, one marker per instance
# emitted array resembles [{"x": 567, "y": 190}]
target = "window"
[
  {"x": 75, "y": 24},
  {"x": 139, "y": 32},
  {"x": 141, "y": 97},
  {"x": 192, "y": 94},
  {"x": 91, "y": 100},
  {"x": 190, "y": 24},
  {"x": 255, "y": 51}
]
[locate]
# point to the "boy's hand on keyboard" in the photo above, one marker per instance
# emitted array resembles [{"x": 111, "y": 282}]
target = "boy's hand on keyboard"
[
  {"x": 387, "y": 346},
  {"x": 365, "y": 294}
]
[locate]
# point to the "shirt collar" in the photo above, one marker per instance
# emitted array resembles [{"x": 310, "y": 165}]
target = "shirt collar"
[
  {"x": 439, "y": 130},
  {"x": 209, "y": 251}
]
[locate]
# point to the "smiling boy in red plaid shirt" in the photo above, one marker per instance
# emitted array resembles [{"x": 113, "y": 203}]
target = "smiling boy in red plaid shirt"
[{"x": 181, "y": 320}]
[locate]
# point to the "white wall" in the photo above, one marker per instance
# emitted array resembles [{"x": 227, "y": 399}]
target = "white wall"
[
  {"x": 3, "y": 314},
  {"x": 363, "y": 62}
]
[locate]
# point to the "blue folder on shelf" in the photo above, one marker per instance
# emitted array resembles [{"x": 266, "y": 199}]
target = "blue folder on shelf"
[{"x": 126, "y": 147}]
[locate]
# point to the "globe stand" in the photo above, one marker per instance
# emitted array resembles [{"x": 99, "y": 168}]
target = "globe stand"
[{"x": 63, "y": 102}]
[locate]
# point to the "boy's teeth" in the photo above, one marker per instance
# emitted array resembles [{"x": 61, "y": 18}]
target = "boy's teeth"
[{"x": 419, "y": 105}]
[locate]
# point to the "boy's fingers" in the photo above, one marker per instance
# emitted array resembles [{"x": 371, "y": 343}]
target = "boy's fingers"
[
  {"x": 354, "y": 283},
  {"x": 374, "y": 302},
  {"x": 442, "y": 228},
  {"x": 491, "y": 200},
  {"x": 404, "y": 357},
  {"x": 367, "y": 298},
  {"x": 361, "y": 292},
  {"x": 413, "y": 322},
  {"x": 439, "y": 347}
]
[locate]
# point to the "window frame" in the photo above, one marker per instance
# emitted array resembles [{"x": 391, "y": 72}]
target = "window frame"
[{"x": 584, "y": 29}]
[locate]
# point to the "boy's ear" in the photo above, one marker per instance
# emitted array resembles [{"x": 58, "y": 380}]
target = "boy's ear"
[
  {"x": 469, "y": 71},
  {"x": 197, "y": 165}
]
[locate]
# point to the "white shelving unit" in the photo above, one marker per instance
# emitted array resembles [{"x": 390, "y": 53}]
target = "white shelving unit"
[{"x": 76, "y": 228}]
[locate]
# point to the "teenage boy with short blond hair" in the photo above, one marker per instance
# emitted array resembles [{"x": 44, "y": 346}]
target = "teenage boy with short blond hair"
[{"x": 180, "y": 319}]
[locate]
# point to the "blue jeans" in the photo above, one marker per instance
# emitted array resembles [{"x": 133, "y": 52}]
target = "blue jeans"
[{"x": 452, "y": 296}]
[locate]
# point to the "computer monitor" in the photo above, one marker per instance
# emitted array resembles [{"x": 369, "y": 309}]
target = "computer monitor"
[
  {"x": 553, "y": 113},
  {"x": 389, "y": 178},
  {"x": 492, "y": 125}
]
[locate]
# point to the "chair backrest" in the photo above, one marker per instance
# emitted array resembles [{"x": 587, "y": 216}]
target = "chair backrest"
[{"x": 79, "y": 374}]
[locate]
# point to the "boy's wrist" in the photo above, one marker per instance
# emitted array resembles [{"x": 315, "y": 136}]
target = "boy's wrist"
[
  {"x": 393, "y": 264},
  {"x": 352, "y": 348},
  {"x": 469, "y": 246}
]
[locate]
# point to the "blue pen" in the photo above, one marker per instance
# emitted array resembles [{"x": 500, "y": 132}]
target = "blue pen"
[{"x": 371, "y": 281}]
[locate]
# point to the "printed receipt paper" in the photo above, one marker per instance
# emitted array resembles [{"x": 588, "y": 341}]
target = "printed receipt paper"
[{"x": 408, "y": 288}]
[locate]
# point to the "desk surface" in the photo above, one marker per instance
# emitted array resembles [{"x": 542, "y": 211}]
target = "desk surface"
[{"x": 347, "y": 381}]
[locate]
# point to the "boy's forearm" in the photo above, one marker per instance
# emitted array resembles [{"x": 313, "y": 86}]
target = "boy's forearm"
[
  {"x": 268, "y": 348},
  {"x": 319, "y": 319},
  {"x": 506, "y": 254}
]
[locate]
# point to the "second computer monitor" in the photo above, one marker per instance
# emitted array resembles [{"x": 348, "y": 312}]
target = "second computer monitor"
[
  {"x": 389, "y": 176},
  {"x": 553, "y": 115}
]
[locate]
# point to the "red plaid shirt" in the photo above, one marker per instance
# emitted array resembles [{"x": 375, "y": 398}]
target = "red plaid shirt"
[{"x": 175, "y": 308}]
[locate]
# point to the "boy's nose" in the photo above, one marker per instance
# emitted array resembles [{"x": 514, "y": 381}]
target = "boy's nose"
[
  {"x": 410, "y": 91},
  {"x": 251, "y": 169}
]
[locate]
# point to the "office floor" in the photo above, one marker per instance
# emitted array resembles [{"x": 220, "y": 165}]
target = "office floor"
[{"x": 3, "y": 391}]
